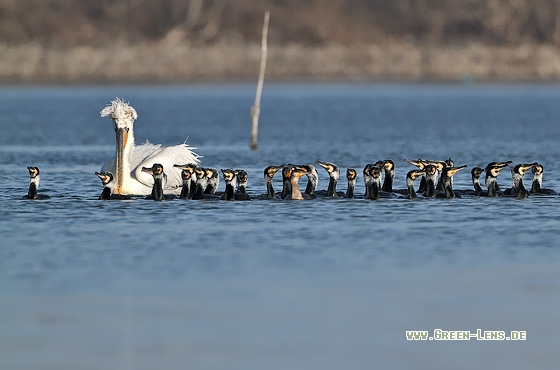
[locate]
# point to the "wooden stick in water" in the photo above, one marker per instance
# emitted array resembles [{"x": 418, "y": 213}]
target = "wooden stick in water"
[{"x": 256, "y": 108}]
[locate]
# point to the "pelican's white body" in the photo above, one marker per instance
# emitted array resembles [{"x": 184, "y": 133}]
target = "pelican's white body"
[{"x": 134, "y": 157}]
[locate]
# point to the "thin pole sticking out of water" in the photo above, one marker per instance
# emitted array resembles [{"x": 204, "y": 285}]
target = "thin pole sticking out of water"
[{"x": 256, "y": 108}]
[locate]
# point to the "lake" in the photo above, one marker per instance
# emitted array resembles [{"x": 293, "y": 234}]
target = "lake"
[{"x": 278, "y": 284}]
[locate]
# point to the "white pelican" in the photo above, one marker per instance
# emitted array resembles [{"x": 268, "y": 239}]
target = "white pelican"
[{"x": 129, "y": 158}]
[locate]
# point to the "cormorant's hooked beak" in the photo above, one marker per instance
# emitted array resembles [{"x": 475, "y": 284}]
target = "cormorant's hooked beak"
[
  {"x": 419, "y": 163},
  {"x": 148, "y": 170},
  {"x": 525, "y": 167},
  {"x": 452, "y": 171}
]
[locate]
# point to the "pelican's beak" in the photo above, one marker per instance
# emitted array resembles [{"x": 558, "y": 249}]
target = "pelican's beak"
[{"x": 122, "y": 138}]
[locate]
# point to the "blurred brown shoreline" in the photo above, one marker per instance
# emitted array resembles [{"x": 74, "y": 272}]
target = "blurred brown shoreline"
[
  {"x": 180, "y": 41},
  {"x": 175, "y": 61}
]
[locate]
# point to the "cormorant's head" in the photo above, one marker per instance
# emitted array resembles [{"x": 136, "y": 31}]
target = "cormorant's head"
[
  {"x": 186, "y": 167},
  {"x": 106, "y": 177},
  {"x": 375, "y": 172},
  {"x": 33, "y": 171},
  {"x": 211, "y": 173},
  {"x": 419, "y": 163},
  {"x": 521, "y": 168},
  {"x": 242, "y": 176},
  {"x": 414, "y": 174},
  {"x": 298, "y": 171},
  {"x": 430, "y": 170},
  {"x": 186, "y": 175},
  {"x": 229, "y": 174},
  {"x": 367, "y": 168},
  {"x": 493, "y": 170},
  {"x": 389, "y": 165},
  {"x": 351, "y": 174},
  {"x": 476, "y": 172},
  {"x": 537, "y": 169},
  {"x": 287, "y": 171},
  {"x": 200, "y": 172},
  {"x": 450, "y": 171},
  {"x": 270, "y": 171}
]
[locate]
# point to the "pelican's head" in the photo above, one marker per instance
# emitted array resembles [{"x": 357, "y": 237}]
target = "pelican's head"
[{"x": 121, "y": 113}]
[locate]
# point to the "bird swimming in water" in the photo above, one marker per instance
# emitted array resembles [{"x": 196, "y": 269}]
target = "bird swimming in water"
[
  {"x": 367, "y": 179},
  {"x": 421, "y": 166},
  {"x": 186, "y": 192},
  {"x": 492, "y": 171},
  {"x": 334, "y": 175},
  {"x": 351, "y": 175},
  {"x": 295, "y": 174},
  {"x": 389, "y": 172},
  {"x": 269, "y": 173},
  {"x": 242, "y": 179},
  {"x": 286, "y": 180},
  {"x": 160, "y": 179},
  {"x": 431, "y": 175},
  {"x": 34, "y": 180},
  {"x": 536, "y": 185},
  {"x": 475, "y": 175},
  {"x": 201, "y": 183},
  {"x": 446, "y": 177},
  {"x": 129, "y": 159},
  {"x": 230, "y": 179},
  {"x": 312, "y": 180},
  {"x": 375, "y": 184},
  {"x": 108, "y": 182},
  {"x": 411, "y": 176},
  {"x": 212, "y": 180},
  {"x": 517, "y": 189},
  {"x": 190, "y": 168}
]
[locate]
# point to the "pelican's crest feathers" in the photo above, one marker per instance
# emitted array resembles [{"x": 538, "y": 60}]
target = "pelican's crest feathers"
[{"x": 119, "y": 109}]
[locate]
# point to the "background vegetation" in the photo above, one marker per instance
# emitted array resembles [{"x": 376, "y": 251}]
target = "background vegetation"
[{"x": 76, "y": 40}]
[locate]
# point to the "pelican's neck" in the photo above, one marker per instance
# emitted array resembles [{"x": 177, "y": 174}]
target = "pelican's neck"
[{"x": 125, "y": 146}]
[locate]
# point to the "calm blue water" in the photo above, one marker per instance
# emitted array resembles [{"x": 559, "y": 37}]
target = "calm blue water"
[{"x": 324, "y": 284}]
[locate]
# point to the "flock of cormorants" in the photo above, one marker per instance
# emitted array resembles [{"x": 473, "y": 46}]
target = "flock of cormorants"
[{"x": 436, "y": 181}]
